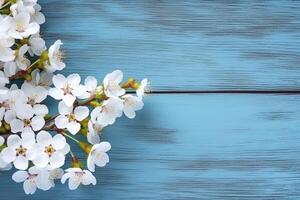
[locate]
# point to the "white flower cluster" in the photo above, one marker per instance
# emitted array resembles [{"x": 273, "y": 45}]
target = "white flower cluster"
[{"x": 33, "y": 141}]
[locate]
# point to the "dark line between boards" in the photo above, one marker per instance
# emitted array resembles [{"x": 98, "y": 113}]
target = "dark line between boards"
[{"x": 292, "y": 92}]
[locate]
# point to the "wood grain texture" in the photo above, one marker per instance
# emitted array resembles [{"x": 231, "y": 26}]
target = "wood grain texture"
[
  {"x": 196, "y": 147},
  {"x": 190, "y": 45}
]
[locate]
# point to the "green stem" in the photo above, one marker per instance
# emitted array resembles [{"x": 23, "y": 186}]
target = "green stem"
[
  {"x": 72, "y": 154},
  {"x": 34, "y": 63},
  {"x": 70, "y": 137},
  {"x": 6, "y": 4}
]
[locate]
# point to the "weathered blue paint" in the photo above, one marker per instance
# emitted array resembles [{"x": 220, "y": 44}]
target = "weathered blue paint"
[
  {"x": 196, "y": 147},
  {"x": 182, "y": 44},
  {"x": 189, "y": 146}
]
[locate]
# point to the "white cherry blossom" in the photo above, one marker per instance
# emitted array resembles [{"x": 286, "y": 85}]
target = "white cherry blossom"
[
  {"x": 67, "y": 89},
  {"x": 70, "y": 118},
  {"x": 51, "y": 151},
  {"x": 78, "y": 176},
  {"x": 56, "y": 174},
  {"x": 36, "y": 45},
  {"x": 26, "y": 79},
  {"x": 37, "y": 16},
  {"x": 107, "y": 113},
  {"x": 142, "y": 88},
  {"x": 131, "y": 104},
  {"x": 35, "y": 178},
  {"x": 35, "y": 95},
  {"x": 19, "y": 150},
  {"x": 20, "y": 7},
  {"x": 25, "y": 118},
  {"x": 9, "y": 101},
  {"x": 92, "y": 87},
  {"x": 55, "y": 57},
  {"x": 41, "y": 78},
  {"x": 94, "y": 130},
  {"x": 98, "y": 155},
  {"x": 20, "y": 62},
  {"x": 21, "y": 27},
  {"x": 111, "y": 84}
]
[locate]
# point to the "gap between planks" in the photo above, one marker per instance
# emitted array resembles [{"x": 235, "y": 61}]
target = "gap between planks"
[{"x": 286, "y": 92}]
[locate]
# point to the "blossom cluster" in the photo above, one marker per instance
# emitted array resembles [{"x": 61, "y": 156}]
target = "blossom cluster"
[{"x": 33, "y": 141}]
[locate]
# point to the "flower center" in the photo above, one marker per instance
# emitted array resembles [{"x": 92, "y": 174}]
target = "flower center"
[
  {"x": 71, "y": 117},
  {"x": 27, "y": 122},
  {"x": 59, "y": 55},
  {"x": 31, "y": 101},
  {"x": 97, "y": 128},
  {"x": 79, "y": 173},
  {"x": 31, "y": 176},
  {"x": 49, "y": 150},
  {"x": 21, "y": 151},
  {"x": 112, "y": 86},
  {"x": 67, "y": 89},
  {"x": 98, "y": 155},
  {"x": 106, "y": 109},
  {"x": 20, "y": 27},
  {"x": 5, "y": 105}
]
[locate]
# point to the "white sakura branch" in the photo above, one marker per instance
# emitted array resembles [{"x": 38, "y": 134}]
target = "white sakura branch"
[{"x": 34, "y": 141}]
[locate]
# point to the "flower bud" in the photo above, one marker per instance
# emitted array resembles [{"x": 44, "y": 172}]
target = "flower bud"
[
  {"x": 76, "y": 163},
  {"x": 85, "y": 147}
]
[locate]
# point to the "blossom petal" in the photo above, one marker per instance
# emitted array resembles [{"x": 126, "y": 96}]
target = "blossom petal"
[
  {"x": 81, "y": 112},
  {"x": 73, "y": 127},
  {"x": 44, "y": 138},
  {"x": 16, "y": 125},
  {"x": 21, "y": 163},
  {"x": 59, "y": 81},
  {"x": 90, "y": 83},
  {"x": 93, "y": 138},
  {"x": 101, "y": 159},
  {"x": 37, "y": 123},
  {"x": 79, "y": 90},
  {"x": 14, "y": 141},
  {"x": 56, "y": 93},
  {"x": 41, "y": 160},
  {"x": 68, "y": 99},
  {"x": 40, "y": 109},
  {"x": 59, "y": 142},
  {"x": 90, "y": 164},
  {"x": 29, "y": 187},
  {"x": 24, "y": 111},
  {"x": 20, "y": 176},
  {"x": 73, "y": 80},
  {"x": 61, "y": 121},
  {"x": 57, "y": 160},
  {"x": 8, "y": 155},
  {"x": 28, "y": 138},
  {"x": 63, "y": 109},
  {"x": 9, "y": 116},
  {"x": 6, "y": 54},
  {"x": 102, "y": 147},
  {"x": 65, "y": 177},
  {"x": 74, "y": 182},
  {"x": 88, "y": 178}
]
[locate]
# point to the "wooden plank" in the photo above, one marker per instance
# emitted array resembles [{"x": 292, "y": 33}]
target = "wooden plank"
[
  {"x": 197, "y": 147},
  {"x": 182, "y": 45}
]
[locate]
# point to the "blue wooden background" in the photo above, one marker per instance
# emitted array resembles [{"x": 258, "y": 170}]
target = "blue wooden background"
[{"x": 189, "y": 146}]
